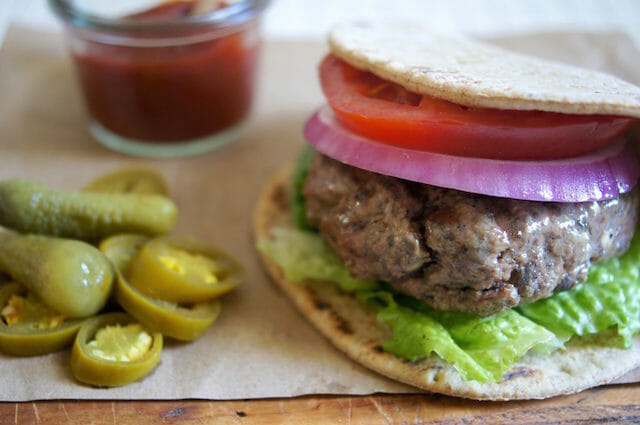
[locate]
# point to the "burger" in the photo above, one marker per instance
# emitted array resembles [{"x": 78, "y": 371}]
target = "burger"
[{"x": 464, "y": 217}]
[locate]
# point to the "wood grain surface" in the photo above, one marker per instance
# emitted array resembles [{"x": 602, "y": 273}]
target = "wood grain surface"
[{"x": 613, "y": 404}]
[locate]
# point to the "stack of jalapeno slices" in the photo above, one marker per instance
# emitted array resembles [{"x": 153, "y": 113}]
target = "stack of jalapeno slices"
[{"x": 94, "y": 268}]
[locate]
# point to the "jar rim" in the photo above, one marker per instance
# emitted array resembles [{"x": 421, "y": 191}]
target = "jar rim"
[{"x": 229, "y": 16}]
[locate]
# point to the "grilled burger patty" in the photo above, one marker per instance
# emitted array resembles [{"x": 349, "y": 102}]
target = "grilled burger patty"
[{"x": 461, "y": 251}]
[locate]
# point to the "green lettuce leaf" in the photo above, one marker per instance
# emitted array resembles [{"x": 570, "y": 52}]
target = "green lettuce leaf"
[
  {"x": 303, "y": 255},
  {"x": 609, "y": 299},
  {"x": 298, "y": 178},
  {"x": 479, "y": 348},
  {"x": 496, "y": 342},
  {"x": 416, "y": 335}
]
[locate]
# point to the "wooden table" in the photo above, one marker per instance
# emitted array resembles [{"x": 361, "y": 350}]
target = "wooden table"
[{"x": 613, "y": 404}]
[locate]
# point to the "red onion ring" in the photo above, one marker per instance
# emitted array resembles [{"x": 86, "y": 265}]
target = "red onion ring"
[{"x": 603, "y": 174}]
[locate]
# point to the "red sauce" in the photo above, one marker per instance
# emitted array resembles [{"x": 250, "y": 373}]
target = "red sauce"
[{"x": 170, "y": 93}]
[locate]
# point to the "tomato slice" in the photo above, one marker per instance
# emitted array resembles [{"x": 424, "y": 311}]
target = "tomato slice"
[{"x": 387, "y": 112}]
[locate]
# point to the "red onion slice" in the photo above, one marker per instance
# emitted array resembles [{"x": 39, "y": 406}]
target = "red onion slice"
[{"x": 603, "y": 174}]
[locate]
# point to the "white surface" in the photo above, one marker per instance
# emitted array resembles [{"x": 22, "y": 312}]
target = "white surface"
[{"x": 312, "y": 18}]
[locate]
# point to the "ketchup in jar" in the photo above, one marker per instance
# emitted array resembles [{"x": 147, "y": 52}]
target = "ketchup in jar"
[{"x": 169, "y": 80}]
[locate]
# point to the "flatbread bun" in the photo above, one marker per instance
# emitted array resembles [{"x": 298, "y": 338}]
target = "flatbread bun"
[
  {"x": 352, "y": 327},
  {"x": 474, "y": 74}
]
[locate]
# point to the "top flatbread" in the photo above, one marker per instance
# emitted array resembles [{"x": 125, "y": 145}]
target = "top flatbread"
[{"x": 474, "y": 74}]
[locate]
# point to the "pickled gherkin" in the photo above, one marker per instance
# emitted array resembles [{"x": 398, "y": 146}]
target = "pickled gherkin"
[
  {"x": 33, "y": 208},
  {"x": 70, "y": 276}
]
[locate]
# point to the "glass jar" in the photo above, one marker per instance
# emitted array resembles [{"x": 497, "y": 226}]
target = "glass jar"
[{"x": 165, "y": 81}]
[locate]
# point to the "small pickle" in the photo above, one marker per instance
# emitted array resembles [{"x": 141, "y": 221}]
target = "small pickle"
[
  {"x": 28, "y": 327},
  {"x": 33, "y": 208},
  {"x": 183, "y": 271},
  {"x": 112, "y": 349},
  {"x": 70, "y": 276},
  {"x": 140, "y": 180}
]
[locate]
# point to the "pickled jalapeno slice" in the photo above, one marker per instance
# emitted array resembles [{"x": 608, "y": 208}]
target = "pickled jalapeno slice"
[
  {"x": 113, "y": 349},
  {"x": 185, "y": 323},
  {"x": 30, "y": 328},
  {"x": 141, "y": 180},
  {"x": 182, "y": 322},
  {"x": 183, "y": 271},
  {"x": 121, "y": 248}
]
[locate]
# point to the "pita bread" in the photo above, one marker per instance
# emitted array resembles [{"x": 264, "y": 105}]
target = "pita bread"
[
  {"x": 474, "y": 74},
  {"x": 352, "y": 327}
]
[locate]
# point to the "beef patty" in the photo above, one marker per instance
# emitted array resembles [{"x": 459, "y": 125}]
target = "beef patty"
[{"x": 461, "y": 251}]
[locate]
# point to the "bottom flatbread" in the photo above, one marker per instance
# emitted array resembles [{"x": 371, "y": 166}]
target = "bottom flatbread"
[{"x": 352, "y": 327}]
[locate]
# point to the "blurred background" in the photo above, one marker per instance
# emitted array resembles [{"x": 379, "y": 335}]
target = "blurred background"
[{"x": 312, "y": 18}]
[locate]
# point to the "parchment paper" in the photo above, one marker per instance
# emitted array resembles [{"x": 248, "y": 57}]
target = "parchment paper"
[{"x": 259, "y": 347}]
